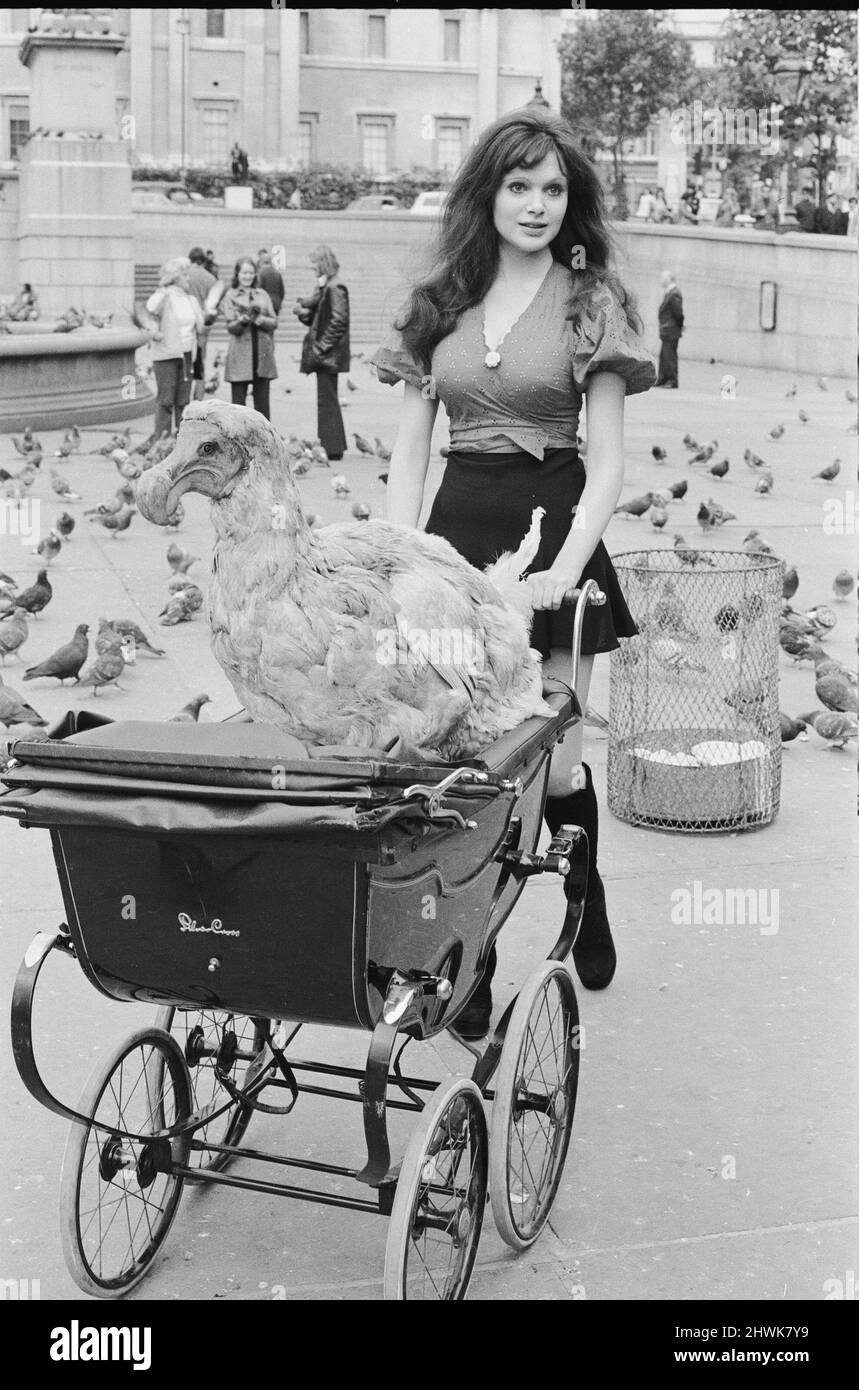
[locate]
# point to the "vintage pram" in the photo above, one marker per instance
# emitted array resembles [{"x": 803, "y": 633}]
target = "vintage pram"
[{"x": 237, "y": 885}]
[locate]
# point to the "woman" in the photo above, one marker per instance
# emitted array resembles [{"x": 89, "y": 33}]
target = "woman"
[
  {"x": 326, "y": 347},
  {"x": 511, "y": 339},
  {"x": 660, "y": 211},
  {"x": 251, "y": 321},
  {"x": 728, "y": 208},
  {"x": 174, "y": 342}
]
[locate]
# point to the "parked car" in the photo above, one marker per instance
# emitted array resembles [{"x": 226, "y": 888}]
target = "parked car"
[
  {"x": 375, "y": 202},
  {"x": 158, "y": 193},
  {"x": 430, "y": 204}
]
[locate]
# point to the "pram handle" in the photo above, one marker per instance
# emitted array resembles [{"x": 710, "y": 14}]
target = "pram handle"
[{"x": 590, "y": 594}]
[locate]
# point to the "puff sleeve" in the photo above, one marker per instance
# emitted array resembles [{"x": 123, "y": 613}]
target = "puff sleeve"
[
  {"x": 393, "y": 362},
  {"x": 606, "y": 343}
]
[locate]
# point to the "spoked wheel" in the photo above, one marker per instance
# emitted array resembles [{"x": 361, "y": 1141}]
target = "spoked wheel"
[
  {"x": 441, "y": 1195},
  {"x": 535, "y": 1101},
  {"x": 204, "y": 1035},
  {"x": 115, "y": 1207}
]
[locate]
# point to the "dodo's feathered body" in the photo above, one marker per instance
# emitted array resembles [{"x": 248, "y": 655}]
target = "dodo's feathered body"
[{"x": 323, "y": 631}]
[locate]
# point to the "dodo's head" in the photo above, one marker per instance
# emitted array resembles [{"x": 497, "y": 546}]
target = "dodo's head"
[{"x": 216, "y": 446}]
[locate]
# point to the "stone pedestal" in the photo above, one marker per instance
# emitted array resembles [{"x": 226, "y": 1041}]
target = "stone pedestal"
[
  {"x": 239, "y": 197},
  {"x": 75, "y": 230}
]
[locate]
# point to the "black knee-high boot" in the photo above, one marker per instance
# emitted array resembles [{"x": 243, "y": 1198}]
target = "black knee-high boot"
[{"x": 593, "y": 953}]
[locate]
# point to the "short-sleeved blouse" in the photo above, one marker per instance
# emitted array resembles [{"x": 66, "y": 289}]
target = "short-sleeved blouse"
[{"x": 532, "y": 399}]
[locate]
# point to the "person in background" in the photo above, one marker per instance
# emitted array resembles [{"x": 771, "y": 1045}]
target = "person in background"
[
  {"x": 689, "y": 205},
  {"x": 645, "y": 206},
  {"x": 852, "y": 217},
  {"x": 326, "y": 348},
  {"x": 211, "y": 264},
  {"x": 174, "y": 343},
  {"x": 727, "y": 209},
  {"x": 767, "y": 218},
  {"x": 670, "y": 329},
  {"x": 270, "y": 279},
  {"x": 294, "y": 201},
  {"x": 660, "y": 207},
  {"x": 830, "y": 220},
  {"x": 251, "y": 321},
  {"x": 805, "y": 210},
  {"x": 201, "y": 282}
]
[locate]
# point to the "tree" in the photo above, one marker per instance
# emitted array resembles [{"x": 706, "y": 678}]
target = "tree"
[
  {"x": 620, "y": 68},
  {"x": 753, "y": 45}
]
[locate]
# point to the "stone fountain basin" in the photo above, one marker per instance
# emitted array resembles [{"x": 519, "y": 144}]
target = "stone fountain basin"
[{"x": 52, "y": 380}]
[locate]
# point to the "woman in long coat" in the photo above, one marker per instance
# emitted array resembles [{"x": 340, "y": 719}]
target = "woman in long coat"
[
  {"x": 251, "y": 321},
  {"x": 326, "y": 350}
]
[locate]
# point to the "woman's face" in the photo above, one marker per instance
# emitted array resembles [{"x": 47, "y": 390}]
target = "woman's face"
[
  {"x": 181, "y": 280},
  {"x": 316, "y": 263},
  {"x": 247, "y": 275},
  {"x": 530, "y": 206}
]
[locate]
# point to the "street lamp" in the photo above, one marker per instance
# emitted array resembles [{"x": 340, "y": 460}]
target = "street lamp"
[
  {"x": 789, "y": 76},
  {"x": 183, "y": 26},
  {"x": 538, "y": 100}
]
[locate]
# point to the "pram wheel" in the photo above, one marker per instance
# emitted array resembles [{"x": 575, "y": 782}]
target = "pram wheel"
[
  {"x": 115, "y": 1206},
  {"x": 535, "y": 1101},
  {"x": 202, "y": 1034},
  {"x": 441, "y": 1195}
]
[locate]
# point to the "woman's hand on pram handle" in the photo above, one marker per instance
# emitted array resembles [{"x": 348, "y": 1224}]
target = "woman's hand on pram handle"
[{"x": 550, "y": 590}]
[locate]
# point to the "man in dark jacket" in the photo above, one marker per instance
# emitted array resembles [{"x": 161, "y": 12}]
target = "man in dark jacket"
[
  {"x": 270, "y": 279},
  {"x": 200, "y": 282},
  {"x": 830, "y": 221},
  {"x": 805, "y": 210},
  {"x": 670, "y": 329}
]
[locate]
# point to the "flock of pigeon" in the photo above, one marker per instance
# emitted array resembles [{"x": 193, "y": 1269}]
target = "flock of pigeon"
[{"x": 802, "y": 633}]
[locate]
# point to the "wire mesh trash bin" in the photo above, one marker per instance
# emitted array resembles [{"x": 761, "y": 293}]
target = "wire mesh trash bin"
[{"x": 695, "y": 737}]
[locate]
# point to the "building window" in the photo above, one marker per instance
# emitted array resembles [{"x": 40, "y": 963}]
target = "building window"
[
  {"x": 216, "y": 24},
  {"x": 19, "y": 130},
  {"x": 304, "y": 31},
  {"x": 376, "y": 144},
  {"x": 305, "y": 152},
  {"x": 452, "y": 34},
  {"x": 451, "y": 144},
  {"x": 377, "y": 36},
  {"x": 216, "y": 134}
]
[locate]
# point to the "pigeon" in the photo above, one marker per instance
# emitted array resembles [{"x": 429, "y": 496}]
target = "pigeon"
[
  {"x": 212, "y": 384},
  {"x": 15, "y": 710},
  {"x": 836, "y": 691},
  {"x": 776, "y": 432},
  {"x": 66, "y": 662},
  {"x": 670, "y": 653},
  {"x": 125, "y": 464},
  {"x": 38, "y": 596},
  {"x": 842, "y": 585},
  {"x": 754, "y": 544},
  {"x": 49, "y": 547},
  {"x": 362, "y": 446},
  {"x": 124, "y": 497},
  {"x": 680, "y": 489},
  {"x": 13, "y": 632},
  {"x": 790, "y": 728},
  {"x": 28, "y": 444},
  {"x": 115, "y": 523},
  {"x": 688, "y": 556},
  {"x": 821, "y": 616},
  {"x": 705, "y": 453},
  {"x": 637, "y": 507},
  {"x": 720, "y": 469},
  {"x": 107, "y": 638},
  {"x": 319, "y": 454},
  {"x": 789, "y": 395},
  {"x": 126, "y": 628},
  {"x": 790, "y": 583},
  {"x": 822, "y": 383},
  {"x": 690, "y": 442},
  {"x": 830, "y": 472},
  {"x": 340, "y": 485},
  {"x": 669, "y": 616},
  {"x": 803, "y": 417},
  {"x": 827, "y": 666},
  {"x": 180, "y": 560},
  {"x": 764, "y": 482},
  {"x": 382, "y": 450},
  {"x": 72, "y": 439},
  {"x": 658, "y": 517},
  {"x": 7, "y": 579},
  {"x": 361, "y": 511},
  {"x": 105, "y": 670},
  {"x": 836, "y": 728},
  {"x": 663, "y": 497},
  {"x": 63, "y": 488},
  {"x": 710, "y": 515},
  {"x": 795, "y": 644},
  {"x": 753, "y": 460},
  {"x": 178, "y": 610},
  {"x": 190, "y": 594},
  {"x": 64, "y": 525},
  {"x": 190, "y": 713},
  {"x": 659, "y": 453}
]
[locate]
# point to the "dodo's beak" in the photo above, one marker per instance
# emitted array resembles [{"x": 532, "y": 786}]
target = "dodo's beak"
[{"x": 196, "y": 464}]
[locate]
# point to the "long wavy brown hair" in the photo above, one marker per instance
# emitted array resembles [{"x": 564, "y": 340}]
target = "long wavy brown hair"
[{"x": 467, "y": 259}]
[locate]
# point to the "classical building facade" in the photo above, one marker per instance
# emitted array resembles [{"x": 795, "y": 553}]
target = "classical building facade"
[{"x": 386, "y": 88}]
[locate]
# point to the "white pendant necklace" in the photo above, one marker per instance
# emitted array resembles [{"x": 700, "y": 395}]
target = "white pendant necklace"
[{"x": 493, "y": 356}]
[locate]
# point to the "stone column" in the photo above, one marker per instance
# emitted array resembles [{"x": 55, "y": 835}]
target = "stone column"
[
  {"x": 252, "y": 138},
  {"x": 75, "y": 229},
  {"x": 140, "y": 43},
  {"x": 290, "y": 84},
  {"x": 487, "y": 71},
  {"x": 553, "y": 28},
  {"x": 671, "y": 158}
]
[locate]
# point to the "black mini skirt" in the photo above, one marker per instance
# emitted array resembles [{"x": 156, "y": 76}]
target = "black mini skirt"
[{"x": 484, "y": 508}]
